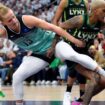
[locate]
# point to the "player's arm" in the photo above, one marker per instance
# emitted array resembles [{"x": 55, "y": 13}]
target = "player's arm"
[
  {"x": 75, "y": 22},
  {"x": 32, "y": 21},
  {"x": 59, "y": 11}
]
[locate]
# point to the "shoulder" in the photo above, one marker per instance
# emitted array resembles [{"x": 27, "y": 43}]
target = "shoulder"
[{"x": 29, "y": 20}]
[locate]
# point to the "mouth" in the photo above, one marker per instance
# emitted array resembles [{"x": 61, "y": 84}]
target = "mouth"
[{"x": 14, "y": 23}]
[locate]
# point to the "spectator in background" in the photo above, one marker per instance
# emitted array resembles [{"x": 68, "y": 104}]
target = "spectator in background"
[
  {"x": 101, "y": 38},
  {"x": 29, "y": 5},
  {"x": 47, "y": 76},
  {"x": 45, "y": 2},
  {"x": 99, "y": 42},
  {"x": 62, "y": 72},
  {"x": 35, "y": 13},
  {"x": 1, "y": 44},
  {"x": 97, "y": 55},
  {"x": 7, "y": 45},
  {"x": 50, "y": 14},
  {"x": 41, "y": 15},
  {"x": 96, "y": 43},
  {"x": 65, "y": 12},
  {"x": 37, "y": 5},
  {"x": 3, "y": 68},
  {"x": 45, "y": 13},
  {"x": 14, "y": 61}
]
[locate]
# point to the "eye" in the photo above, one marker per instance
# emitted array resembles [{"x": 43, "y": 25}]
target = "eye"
[{"x": 10, "y": 20}]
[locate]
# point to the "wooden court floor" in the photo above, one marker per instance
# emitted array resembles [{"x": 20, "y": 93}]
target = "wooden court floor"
[{"x": 46, "y": 95}]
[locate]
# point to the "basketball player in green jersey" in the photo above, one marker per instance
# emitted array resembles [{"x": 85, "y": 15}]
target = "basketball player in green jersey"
[
  {"x": 68, "y": 9},
  {"x": 85, "y": 28}
]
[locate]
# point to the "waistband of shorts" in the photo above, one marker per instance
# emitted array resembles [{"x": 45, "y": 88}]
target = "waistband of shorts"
[{"x": 43, "y": 57}]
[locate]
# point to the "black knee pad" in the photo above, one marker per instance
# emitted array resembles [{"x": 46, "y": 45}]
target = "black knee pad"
[{"x": 81, "y": 79}]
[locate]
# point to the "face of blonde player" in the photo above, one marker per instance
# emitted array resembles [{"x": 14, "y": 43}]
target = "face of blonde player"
[
  {"x": 101, "y": 14},
  {"x": 10, "y": 19}
]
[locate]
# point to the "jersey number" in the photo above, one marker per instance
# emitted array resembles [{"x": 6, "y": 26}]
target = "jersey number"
[{"x": 28, "y": 42}]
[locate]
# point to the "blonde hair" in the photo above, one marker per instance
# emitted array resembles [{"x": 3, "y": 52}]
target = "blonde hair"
[
  {"x": 97, "y": 4},
  {"x": 3, "y": 11}
]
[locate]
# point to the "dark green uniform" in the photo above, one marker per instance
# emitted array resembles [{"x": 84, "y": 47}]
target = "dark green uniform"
[
  {"x": 74, "y": 9},
  {"x": 86, "y": 33}
]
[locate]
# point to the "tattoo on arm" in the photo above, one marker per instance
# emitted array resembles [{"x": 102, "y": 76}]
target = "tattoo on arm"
[
  {"x": 74, "y": 22},
  {"x": 91, "y": 89}
]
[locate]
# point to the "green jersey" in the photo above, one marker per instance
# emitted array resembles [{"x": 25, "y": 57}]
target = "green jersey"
[
  {"x": 74, "y": 9},
  {"x": 87, "y": 32}
]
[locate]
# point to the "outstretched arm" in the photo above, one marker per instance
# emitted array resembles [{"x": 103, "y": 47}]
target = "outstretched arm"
[
  {"x": 75, "y": 22},
  {"x": 32, "y": 21}
]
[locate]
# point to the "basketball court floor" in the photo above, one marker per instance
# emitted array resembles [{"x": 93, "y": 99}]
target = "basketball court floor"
[{"x": 46, "y": 95}]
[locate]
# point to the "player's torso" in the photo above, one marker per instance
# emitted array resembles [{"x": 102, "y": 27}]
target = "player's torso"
[{"x": 34, "y": 39}]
